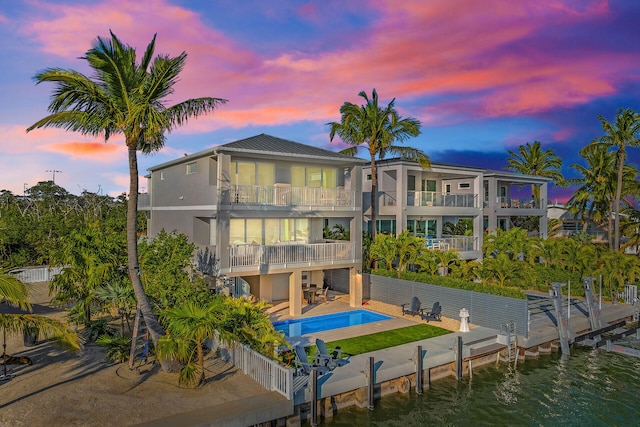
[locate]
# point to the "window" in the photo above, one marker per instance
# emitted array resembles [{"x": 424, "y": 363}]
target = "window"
[
  {"x": 428, "y": 185},
  {"x": 161, "y": 176},
  {"x": 192, "y": 168},
  {"x": 212, "y": 231},
  {"x": 314, "y": 177},
  {"x": 268, "y": 231},
  {"x": 252, "y": 173},
  {"x": 463, "y": 185},
  {"x": 368, "y": 177}
]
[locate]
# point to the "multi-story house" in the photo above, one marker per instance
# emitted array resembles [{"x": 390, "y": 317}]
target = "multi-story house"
[
  {"x": 430, "y": 202},
  {"x": 262, "y": 204}
]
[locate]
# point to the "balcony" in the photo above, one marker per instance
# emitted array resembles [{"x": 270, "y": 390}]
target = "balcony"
[
  {"x": 508, "y": 203},
  {"x": 285, "y": 195},
  {"x": 284, "y": 255},
  {"x": 432, "y": 198}
]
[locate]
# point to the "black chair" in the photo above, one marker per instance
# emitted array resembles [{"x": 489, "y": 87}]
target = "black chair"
[
  {"x": 434, "y": 314},
  {"x": 413, "y": 307}
]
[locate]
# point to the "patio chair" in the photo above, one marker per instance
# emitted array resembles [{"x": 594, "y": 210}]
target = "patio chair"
[
  {"x": 331, "y": 358},
  {"x": 323, "y": 294},
  {"x": 413, "y": 307},
  {"x": 304, "y": 365},
  {"x": 434, "y": 314}
]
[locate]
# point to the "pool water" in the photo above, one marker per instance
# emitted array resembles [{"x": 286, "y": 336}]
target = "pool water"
[{"x": 327, "y": 322}]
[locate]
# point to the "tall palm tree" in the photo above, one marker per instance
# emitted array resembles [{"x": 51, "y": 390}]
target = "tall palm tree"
[
  {"x": 532, "y": 160},
  {"x": 377, "y": 129},
  {"x": 124, "y": 98},
  {"x": 622, "y": 133}
]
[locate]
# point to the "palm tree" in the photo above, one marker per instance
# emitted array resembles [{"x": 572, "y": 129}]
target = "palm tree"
[
  {"x": 623, "y": 133},
  {"x": 407, "y": 249},
  {"x": 16, "y": 293},
  {"x": 383, "y": 248},
  {"x": 124, "y": 98},
  {"x": 594, "y": 197},
  {"x": 189, "y": 327},
  {"x": 377, "y": 129},
  {"x": 532, "y": 160}
]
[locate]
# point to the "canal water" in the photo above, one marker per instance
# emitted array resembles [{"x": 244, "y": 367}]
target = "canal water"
[{"x": 588, "y": 388}]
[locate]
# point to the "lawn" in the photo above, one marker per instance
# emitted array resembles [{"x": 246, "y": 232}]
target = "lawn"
[{"x": 386, "y": 339}]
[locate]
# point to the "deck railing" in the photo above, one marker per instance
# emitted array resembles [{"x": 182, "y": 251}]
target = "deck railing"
[
  {"x": 255, "y": 255},
  {"x": 35, "y": 274},
  {"x": 269, "y": 373},
  {"x": 432, "y": 198},
  {"x": 285, "y": 195}
]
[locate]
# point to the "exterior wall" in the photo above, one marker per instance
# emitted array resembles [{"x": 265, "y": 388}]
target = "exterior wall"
[
  {"x": 482, "y": 307},
  {"x": 188, "y": 202}
]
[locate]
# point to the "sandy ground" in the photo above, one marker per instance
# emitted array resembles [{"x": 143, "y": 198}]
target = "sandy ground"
[
  {"x": 62, "y": 388},
  {"x": 65, "y": 389}
]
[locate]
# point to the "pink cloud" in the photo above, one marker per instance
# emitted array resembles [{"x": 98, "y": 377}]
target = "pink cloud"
[
  {"x": 104, "y": 152},
  {"x": 421, "y": 49}
]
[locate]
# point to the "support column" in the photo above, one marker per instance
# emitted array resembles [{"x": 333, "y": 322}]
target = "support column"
[
  {"x": 295, "y": 293},
  {"x": 355, "y": 287}
]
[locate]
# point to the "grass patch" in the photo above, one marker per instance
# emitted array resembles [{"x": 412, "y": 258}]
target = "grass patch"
[{"x": 386, "y": 339}]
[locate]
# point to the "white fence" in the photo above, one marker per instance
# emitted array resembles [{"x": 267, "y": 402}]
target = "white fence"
[
  {"x": 263, "y": 370},
  {"x": 35, "y": 274}
]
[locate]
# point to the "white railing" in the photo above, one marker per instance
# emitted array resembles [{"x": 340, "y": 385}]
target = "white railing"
[
  {"x": 432, "y": 198},
  {"x": 285, "y": 195},
  {"x": 35, "y": 274},
  {"x": 458, "y": 243},
  {"x": 255, "y": 255},
  {"x": 269, "y": 373},
  {"x": 506, "y": 202}
]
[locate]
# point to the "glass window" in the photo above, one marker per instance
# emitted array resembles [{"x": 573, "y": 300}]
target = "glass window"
[
  {"x": 314, "y": 177},
  {"x": 192, "y": 168},
  {"x": 298, "y": 176},
  {"x": 302, "y": 229},
  {"x": 246, "y": 173},
  {"x": 432, "y": 227},
  {"x": 271, "y": 231},
  {"x": 330, "y": 178},
  {"x": 236, "y": 232},
  {"x": 387, "y": 226},
  {"x": 254, "y": 231},
  {"x": 266, "y": 174}
]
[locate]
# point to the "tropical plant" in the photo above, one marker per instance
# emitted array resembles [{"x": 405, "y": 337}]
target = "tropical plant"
[
  {"x": 377, "y": 129},
  {"x": 118, "y": 347},
  {"x": 428, "y": 262},
  {"x": 501, "y": 270},
  {"x": 408, "y": 248},
  {"x": 445, "y": 258},
  {"x": 624, "y": 132},
  {"x": 383, "y": 248},
  {"x": 119, "y": 300},
  {"x": 246, "y": 321},
  {"x": 15, "y": 293},
  {"x": 189, "y": 326},
  {"x": 593, "y": 199},
  {"x": 91, "y": 258},
  {"x": 124, "y": 98},
  {"x": 532, "y": 160},
  {"x": 164, "y": 261}
]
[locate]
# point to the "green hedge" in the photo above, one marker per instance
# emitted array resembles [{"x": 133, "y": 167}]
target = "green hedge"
[{"x": 449, "y": 282}]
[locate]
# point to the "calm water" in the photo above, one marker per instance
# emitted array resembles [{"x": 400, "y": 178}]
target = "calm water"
[
  {"x": 589, "y": 388},
  {"x": 327, "y": 322}
]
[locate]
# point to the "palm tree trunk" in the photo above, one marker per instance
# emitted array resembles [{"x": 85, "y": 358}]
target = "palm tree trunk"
[
  {"x": 155, "y": 330},
  {"x": 616, "y": 208},
  {"x": 374, "y": 190}
]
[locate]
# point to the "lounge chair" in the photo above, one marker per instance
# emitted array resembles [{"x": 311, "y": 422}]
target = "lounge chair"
[
  {"x": 413, "y": 307},
  {"x": 434, "y": 314},
  {"x": 304, "y": 365},
  {"x": 331, "y": 358}
]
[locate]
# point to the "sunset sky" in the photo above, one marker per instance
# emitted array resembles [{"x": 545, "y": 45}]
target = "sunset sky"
[{"x": 483, "y": 77}]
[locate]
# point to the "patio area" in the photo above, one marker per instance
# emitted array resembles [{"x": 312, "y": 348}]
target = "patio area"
[{"x": 339, "y": 302}]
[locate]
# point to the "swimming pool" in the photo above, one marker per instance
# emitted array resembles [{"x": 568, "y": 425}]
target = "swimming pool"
[{"x": 327, "y": 322}]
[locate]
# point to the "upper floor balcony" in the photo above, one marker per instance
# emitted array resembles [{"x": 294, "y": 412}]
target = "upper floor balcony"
[
  {"x": 285, "y": 195},
  {"x": 432, "y": 198},
  {"x": 509, "y": 203},
  {"x": 249, "y": 257}
]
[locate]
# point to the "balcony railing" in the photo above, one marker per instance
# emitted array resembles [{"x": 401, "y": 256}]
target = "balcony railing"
[
  {"x": 458, "y": 243},
  {"x": 506, "y": 202},
  {"x": 285, "y": 195},
  {"x": 282, "y": 254},
  {"x": 432, "y": 198}
]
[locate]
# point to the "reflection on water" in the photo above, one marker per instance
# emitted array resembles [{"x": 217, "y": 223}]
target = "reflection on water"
[{"x": 588, "y": 388}]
